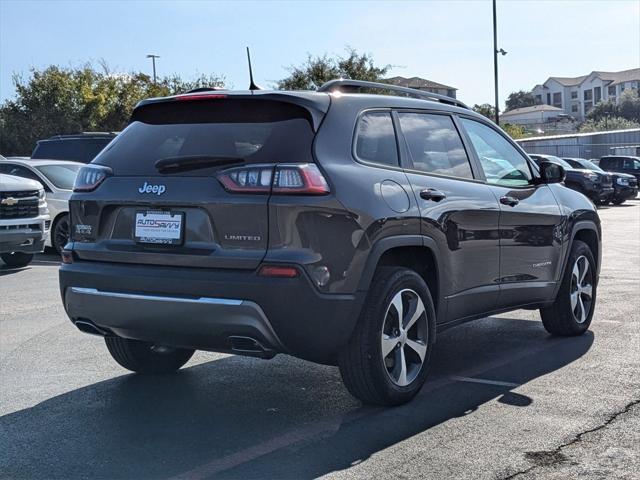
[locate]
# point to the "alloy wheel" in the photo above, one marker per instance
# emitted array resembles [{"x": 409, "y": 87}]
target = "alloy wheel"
[
  {"x": 581, "y": 291},
  {"x": 404, "y": 337}
]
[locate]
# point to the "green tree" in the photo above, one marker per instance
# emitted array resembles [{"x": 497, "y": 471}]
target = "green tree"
[
  {"x": 520, "y": 99},
  {"x": 604, "y": 124},
  {"x": 320, "y": 69},
  {"x": 629, "y": 105},
  {"x": 514, "y": 131},
  {"x": 486, "y": 109},
  {"x": 71, "y": 100}
]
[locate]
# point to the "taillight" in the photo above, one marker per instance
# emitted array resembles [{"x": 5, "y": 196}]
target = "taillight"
[
  {"x": 90, "y": 177},
  {"x": 293, "y": 179},
  {"x": 250, "y": 179},
  {"x": 303, "y": 179},
  {"x": 204, "y": 96}
]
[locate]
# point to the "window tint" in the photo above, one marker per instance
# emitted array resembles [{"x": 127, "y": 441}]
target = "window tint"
[
  {"x": 18, "y": 171},
  {"x": 76, "y": 149},
  {"x": 62, "y": 176},
  {"x": 501, "y": 162},
  {"x": 435, "y": 145},
  {"x": 376, "y": 139},
  {"x": 255, "y": 131},
  {"x": 631, "y": 164}
]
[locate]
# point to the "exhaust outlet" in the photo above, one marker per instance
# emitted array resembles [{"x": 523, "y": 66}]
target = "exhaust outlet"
[
  {"x": 88, "y": 327},
  {"x": 249, "y": 346}
]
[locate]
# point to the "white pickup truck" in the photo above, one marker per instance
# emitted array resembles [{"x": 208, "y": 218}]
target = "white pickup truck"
[{"x": 24, "y": 220}]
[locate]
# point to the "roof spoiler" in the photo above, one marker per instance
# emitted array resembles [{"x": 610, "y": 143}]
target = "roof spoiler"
[{"x": 336, "y": 85}]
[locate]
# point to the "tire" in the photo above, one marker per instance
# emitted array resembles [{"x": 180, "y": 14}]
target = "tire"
[
  {"x": 572, "y": 311},
  {"x": 367, "y": 373},
  {"x": 619, "y": 201},
  {"x": 17, "y": 259},
  {"x": 142, "y": 357},
  {"x": 60, "y": 233}
]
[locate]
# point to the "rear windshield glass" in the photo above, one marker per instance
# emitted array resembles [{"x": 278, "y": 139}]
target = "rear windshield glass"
[
  {"x": 255, "y": 131},
  {"x": 62, "y": 176},
  {"x": 78, "y": 149}
]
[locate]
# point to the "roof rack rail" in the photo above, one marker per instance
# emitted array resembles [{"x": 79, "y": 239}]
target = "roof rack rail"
[{"x": 334, "y": 85}]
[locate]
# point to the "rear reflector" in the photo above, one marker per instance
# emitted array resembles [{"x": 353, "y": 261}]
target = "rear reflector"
[
  {"x": 292, "y": 179},
  {"x": 280, "y": 271}
]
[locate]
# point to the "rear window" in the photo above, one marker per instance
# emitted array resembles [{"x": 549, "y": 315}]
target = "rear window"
[
  {"x": 62, "y": 176},
  {"x": 257, "y": 131},
  {"x": 77, "y": 149}
]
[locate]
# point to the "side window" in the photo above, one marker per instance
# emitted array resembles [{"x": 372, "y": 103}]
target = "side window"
[
  {"x": 376, "y": 139},
  {"x": 19, "y": 171},
  {"x": 501, "y": 162},
  {"x": 630, "y": 164},
  {"x": 434, "y": 144}
]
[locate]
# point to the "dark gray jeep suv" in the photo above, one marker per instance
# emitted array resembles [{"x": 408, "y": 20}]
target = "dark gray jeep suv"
[{"x": 339, "y": 227}]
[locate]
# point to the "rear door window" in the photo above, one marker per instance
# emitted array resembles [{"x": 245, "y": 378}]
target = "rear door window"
[
  {"x": 435, "y": 145},
  {"x": 376, "y": 139},
  {"x": 253, "y": 131}
]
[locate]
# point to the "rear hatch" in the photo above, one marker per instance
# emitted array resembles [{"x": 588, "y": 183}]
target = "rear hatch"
[{"x": 168, "y": 170}]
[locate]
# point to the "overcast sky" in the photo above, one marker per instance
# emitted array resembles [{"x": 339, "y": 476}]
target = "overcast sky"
[{"x": 446, "y": 41}]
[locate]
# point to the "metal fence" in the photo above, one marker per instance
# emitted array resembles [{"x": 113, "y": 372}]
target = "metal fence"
[{"x": 586, "y": 145}]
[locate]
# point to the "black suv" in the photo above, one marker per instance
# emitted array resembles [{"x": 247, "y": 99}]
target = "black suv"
[
  {"x": 624, "y": 186},
  {"x": 595, "y": 185},
  {"x": 80, "y": 147},
  {"x": 622, "y": 164},
  {"x": 338, "y": 227}
]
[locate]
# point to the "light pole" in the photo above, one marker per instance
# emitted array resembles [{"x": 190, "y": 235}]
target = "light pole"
[
  {"x": 495, "y": 59},
  {"x": 153, "y": 60}
]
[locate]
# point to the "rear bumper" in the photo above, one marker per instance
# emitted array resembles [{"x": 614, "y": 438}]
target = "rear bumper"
[
  {"x": 211, "y": 321},
  {"x": 206, "y": 309}
]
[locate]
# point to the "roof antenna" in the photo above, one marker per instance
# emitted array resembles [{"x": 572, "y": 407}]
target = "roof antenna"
[{"x": 252, "y": 85}]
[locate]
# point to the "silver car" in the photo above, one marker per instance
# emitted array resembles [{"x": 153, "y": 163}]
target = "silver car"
[{"x": 57, "y": 177}]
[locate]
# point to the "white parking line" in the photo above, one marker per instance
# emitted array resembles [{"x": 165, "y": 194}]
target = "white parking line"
[{"x": 486, "y": 382}]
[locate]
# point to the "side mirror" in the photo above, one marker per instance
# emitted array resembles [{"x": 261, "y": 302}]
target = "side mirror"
[{"x": 551, "y": 172}]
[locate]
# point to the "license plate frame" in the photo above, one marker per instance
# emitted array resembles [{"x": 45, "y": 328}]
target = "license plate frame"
[{"x": 159, "y": 227}]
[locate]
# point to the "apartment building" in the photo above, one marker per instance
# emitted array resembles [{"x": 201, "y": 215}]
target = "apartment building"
[{"x": 576, "y": 96}]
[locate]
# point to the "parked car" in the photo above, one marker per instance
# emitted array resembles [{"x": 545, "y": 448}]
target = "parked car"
[
  {"x": 24, "y": 220},
  {"x": 622, "y": 164},
  {"x": 624, "y": 186},
  {"x": 340, "y": 228},
  {"x": 597, "y": 186},
  {"x": 57, "y": 177},
  {"x": 81, "y": 147}
]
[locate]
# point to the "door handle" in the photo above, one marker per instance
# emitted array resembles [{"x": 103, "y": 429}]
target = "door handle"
[
  {"x": 508, "y": 200},
  {"x": 432, "y": 194}
]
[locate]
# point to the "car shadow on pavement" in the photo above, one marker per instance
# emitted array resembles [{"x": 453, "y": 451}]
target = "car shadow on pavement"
[{"x": 245, "y": 418}]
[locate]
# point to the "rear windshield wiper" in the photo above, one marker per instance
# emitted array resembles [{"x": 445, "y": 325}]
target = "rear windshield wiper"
[{"x": 185, "y": 163}]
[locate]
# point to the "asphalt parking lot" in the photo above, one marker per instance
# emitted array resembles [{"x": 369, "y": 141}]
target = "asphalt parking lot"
[{"x": 504, "y": 399}]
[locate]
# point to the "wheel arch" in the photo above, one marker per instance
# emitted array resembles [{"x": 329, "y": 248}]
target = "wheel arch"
[
  {"x": 416, "y": 252},
  {"x": 588, "y": 232},
  {"x": 54, "y": 223}
]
